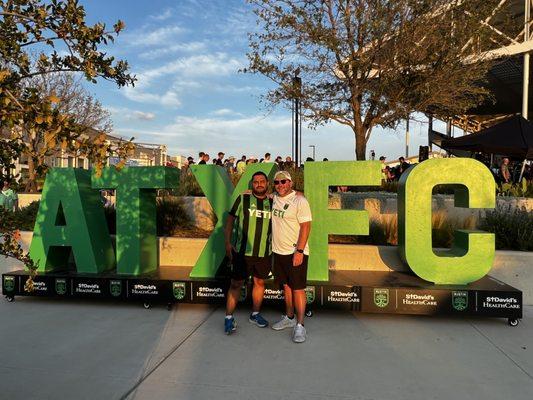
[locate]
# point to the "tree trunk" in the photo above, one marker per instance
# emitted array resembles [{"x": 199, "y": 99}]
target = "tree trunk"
[
  {"x": 360, "y": 143},
  {"x": 31, "y": 184}
]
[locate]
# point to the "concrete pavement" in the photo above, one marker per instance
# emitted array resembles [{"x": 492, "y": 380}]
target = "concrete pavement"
[{"x": 104, "y": 350}]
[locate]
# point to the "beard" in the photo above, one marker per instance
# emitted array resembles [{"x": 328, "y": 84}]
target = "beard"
[{"x": 259, "y": 191}]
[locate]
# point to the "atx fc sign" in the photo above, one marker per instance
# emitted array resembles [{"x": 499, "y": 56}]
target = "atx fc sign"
[{"x": 71, "y": 216}]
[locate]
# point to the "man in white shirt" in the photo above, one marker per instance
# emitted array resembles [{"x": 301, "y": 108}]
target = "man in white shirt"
[{"x": 291, "y": 224}]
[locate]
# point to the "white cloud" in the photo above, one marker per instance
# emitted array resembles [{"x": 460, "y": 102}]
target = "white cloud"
[
  {"x": 148, "y": 37},
  {"x": 144, "y": 116},
  {"x": 188, "y": 47},
  {"x": 223, "y": 111},
  {"x": 168, "y": 99},
  {"x": 163, "y": 16},
  {"x": 127, "y": 114},
  {"x": 196, "y": 66}
]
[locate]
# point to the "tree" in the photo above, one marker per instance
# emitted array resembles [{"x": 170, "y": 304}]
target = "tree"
[
  {"x": 85, "y": 112},
  {"x": 367, "y": 63},
  {"x": 39, "y": 38}
]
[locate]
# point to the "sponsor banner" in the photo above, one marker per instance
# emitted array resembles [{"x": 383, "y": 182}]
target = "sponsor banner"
[
  {"x": 149, "y": 289},
  {"x": 90, "y": 287},
  {"x": 9, "y": 284},
  {"x": 209, "y": 291},
  {"x": 378, "y": 300},
  {"x": 273, "y": 294},
  {"x": 42, "y": 285},
  {"x": 499, "y": 304},
  {"x": 422, "y": 301},
  {"x": 342, "y": 297}
]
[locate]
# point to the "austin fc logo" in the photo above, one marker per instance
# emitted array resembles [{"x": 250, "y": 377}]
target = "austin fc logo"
[
  {"x": 460, "y": 300},
  {"x": 9, "y": 283},
  {"x": 115, "y": 288},
  {"x": 178, "y": 289},
  {"x": 381, "y": 297},
  {"x": 61, "y": 286},
  {"x": 310, "y": 294}
]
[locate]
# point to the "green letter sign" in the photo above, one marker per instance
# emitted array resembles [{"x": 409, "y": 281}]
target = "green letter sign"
[
  {"x": 472, "y": 253},
  {"x": 71, "y": 217},
  {"x": 319, "y": 176},
  {"x": 136, "y": 213},
  {"x": 219, "y": 190}
]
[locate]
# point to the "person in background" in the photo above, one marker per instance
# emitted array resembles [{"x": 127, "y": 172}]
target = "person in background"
[
  {"x": 220, "y": 160},
  {"x": 201, "y": 157},
  {"x": 9, "y": 200},
  {"x": 504, "y": 171},
  {"x": 384, "y": 174}
]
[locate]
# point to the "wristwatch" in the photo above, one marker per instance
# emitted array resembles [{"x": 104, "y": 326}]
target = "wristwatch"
[{"x": 300, "y": 251}]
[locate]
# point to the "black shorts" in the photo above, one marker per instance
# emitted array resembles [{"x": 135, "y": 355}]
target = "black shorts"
[
  {"x": 246, "y": 266},
  {"x": 286, "y": 274}
]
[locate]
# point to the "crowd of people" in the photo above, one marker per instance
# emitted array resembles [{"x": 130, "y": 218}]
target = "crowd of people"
[
  {"x": 391, "y": 174},
  {"x": 238, "y": 166}
]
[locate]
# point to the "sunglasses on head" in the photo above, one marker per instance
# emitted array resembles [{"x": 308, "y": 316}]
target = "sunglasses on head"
[{"x": 282, "y": 181}]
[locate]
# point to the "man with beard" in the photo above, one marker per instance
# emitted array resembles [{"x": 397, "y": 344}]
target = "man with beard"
[{"x": 249, "y": 251}]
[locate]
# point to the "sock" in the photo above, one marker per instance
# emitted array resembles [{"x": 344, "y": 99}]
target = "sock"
[
  {"x": 255, "y": 313},
  {"x": 230, "y": 316}
]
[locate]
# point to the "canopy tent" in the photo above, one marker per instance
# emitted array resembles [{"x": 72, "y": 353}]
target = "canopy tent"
[{"x": 512, "y": 137}]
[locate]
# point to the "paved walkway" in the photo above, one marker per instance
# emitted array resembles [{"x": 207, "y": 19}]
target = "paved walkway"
[{"x": 53, "y": 349}]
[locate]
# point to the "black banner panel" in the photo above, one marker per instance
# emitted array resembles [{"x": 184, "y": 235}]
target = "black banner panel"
[
  {"x": 493, "y": 304},
  {"x": 206, "y": 292},
  {"x": 148, "y": 290},
  {"x": 428, "y": 302},
  {"x": 365, "y": 291},
  {"x": 342, "y": 297},
  {"x": 273, "y": 294},
  {"x": 378, "y": 300}
]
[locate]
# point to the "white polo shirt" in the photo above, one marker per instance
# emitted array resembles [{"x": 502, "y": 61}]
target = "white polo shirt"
[{"x": 287, "y": 214}]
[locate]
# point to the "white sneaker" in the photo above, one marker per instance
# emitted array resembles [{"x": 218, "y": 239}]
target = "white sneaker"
[
  {"x": 284, "y": 322},
  {"x": 299, "y": 334}
]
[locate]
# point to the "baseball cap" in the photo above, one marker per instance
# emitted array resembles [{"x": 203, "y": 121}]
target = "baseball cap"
[{"x": 283, "y": 175}]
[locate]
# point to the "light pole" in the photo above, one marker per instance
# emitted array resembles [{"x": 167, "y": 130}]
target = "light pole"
[{"x": 313, "y": 146}]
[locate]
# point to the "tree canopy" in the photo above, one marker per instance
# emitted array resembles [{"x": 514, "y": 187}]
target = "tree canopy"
[
  {"x": 367, "y": 63},
  {"x": 39, "y": 38}
]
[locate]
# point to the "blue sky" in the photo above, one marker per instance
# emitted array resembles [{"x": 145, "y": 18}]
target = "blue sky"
[{"x": 190, "y": 96}]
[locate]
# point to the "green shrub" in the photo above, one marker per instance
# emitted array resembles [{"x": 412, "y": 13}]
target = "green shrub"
[
  {"x": 513, "y": 228},
  {"x": 171, "y": 215},
  {"x": 188, "y": 186},
  {"x": 523, "y": 189},
  {"x": 24, "y": 218}
]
